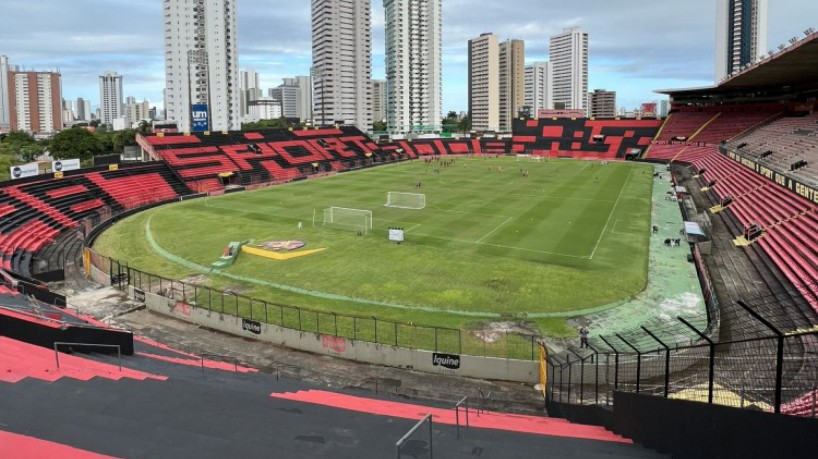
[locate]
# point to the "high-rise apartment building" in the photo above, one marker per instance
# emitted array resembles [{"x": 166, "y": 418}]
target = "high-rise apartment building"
[
  {"x": 413, "y": 65},
  {"x": 484, "y": 83},
  {"x": 82, "y": 109},
  {"x": 512, "y": 81},
  {"x": 379, "y": 101},
  {"x": 110, "y": 97},
  {"x": 569, "y": 59},
  {"x": 201, "y": 64},
  {"x": 5, "y": 93},
  {"x": 35, "y": 102},
  {"x": 342, "y": 62},
  {"x": 741, "y": 34},
  {"x": 136, "y": 111},
  {"x": 249, "y": 89},
  {"x": 287, "y": 94},
  {"x": 602, "y": 104},
  {"x": 539, "y": 86}
]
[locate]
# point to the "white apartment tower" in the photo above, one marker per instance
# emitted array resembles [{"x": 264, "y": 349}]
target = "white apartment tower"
[
  {"x": 379, "y": 101},
  {"x": 5, "y": 117},
  {"x": 110, "y": 97},
  {"x": 539, "y": 87},
  {"x": 249, "y": 89},
  {"x": 484, "y": 83},
  {"x": 413, "y": 65},
  {"x": 342, "y": 62},
  {"x": 569, "y": 59},
  {"x": 741, "y": 34},
  {"x": 512, "y": 81},
  {"x": 201, "y": 64}
]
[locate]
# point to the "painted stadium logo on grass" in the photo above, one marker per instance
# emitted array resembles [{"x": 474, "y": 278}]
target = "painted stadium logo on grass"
[{"x": 283, "y": 245}]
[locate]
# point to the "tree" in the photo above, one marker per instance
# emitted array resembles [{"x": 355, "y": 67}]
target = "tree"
[
  {"x": 378, "y": 126},
  {"x": 122, "y": 139},
  {"x": 452, "y": 115},
  {"x": 464, "y": 125},
  {"x": 75, "y": 143},
  {"x": 144, "y": 127}
]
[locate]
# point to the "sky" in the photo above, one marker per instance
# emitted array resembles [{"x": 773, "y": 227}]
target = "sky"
[{"x": 636, "y": 46}]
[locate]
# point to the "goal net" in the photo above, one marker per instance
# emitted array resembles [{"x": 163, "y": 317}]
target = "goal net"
[
  {"x": 349, "y": 219},
  {"x": 405, "y": 200}
]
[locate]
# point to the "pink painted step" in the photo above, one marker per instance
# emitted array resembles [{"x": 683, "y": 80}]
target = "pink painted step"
[
  {"x": 486, "y": 420},
  {"x": 25, "y": 447},
  {"x": 20, "y": 360}
]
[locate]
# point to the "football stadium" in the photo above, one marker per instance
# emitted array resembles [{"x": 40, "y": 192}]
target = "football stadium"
[{"x": 319, "y": 292}]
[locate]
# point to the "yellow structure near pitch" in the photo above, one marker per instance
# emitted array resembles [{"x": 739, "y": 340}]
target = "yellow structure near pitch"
[{"x": 278, "y": 256}]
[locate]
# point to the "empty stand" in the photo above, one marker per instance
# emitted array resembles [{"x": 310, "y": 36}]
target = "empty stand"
[
  {"x": 36, "y": 213},
  {"x": 583, "y": 137}
]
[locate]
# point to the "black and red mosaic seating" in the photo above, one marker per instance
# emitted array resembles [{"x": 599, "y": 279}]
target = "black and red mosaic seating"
[
  {"x": 583, "y": 137},
  {"x": 264, "y": 156},
  {"x": 35, "y": 213}
]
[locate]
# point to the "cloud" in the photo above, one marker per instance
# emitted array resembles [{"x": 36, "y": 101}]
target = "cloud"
[{"x": 635, "y": 46}]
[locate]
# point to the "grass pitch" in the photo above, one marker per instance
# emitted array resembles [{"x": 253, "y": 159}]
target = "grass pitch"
[{"x": 491, "y": 243}]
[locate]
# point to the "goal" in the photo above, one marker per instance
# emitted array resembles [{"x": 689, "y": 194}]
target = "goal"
[
  {"x": 398, "y": 200},
  {"x": 349, "y": 219}
]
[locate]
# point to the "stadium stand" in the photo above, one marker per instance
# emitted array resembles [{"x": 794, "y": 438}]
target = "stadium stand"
[
  {"x": 36, "y": 213},
  {"x": 790, "y": 221},
  {"x": 208, "y": 161},
  {"x": 583, "y": 138},
  {"x": 782, "y": 143}
]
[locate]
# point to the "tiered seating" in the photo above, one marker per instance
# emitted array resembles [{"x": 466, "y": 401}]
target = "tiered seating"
[
  {"x": 729, "y": 125},
  {"x": 583, "y": 137},
  {"x": 684, "y": 125},
  {"x": 789, "y": 139},
  {"x": 35, "y": 213},
  {"x": 790, "y": 221},
  {"x": 266, "y": 156}
]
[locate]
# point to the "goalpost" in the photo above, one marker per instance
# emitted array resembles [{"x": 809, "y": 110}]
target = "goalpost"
[
  {"x": 350, "y": 219},
  {"x": 415, "y": 201}
]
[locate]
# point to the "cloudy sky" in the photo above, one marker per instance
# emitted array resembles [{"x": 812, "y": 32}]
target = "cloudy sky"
[{"x": 636, "y": 46}]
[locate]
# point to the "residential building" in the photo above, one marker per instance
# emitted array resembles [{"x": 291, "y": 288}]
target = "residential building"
[
  {"x": 741, "y": 34},
  {"x": 137, "y": 111},
  {"x": 342, "y": 62},
  {"x": 82, "y": 109},
  {"x": 201, "y": 64},
  {"x": 110, "y": 97},
  {"x": 5, "y": 93},
  {"x": 264, "y": 108},
  {"x": 379, "y": 101},
  {"x": 484, "y": 83},
  {"x": 34, "y": 102},
  {"x": 67, "y": 112},
  {"x": 664, "y": 108},
  {"x": 512, "y": 81},
  {"x": 413, "y": 65},
  {"x": 602, "y": 104},
  {"x": 295, "y": 95},
  {"x": 539, "y": 86},
  {"x": 569, "y": 59},
  {"x": 249, "y": 89}
]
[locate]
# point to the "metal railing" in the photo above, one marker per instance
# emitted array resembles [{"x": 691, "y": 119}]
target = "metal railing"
[
  {"x": 463, "y": 403},
  {"x": 358, "y": 328},
  {"x": 399, "y": 444},
  {"x": 57, "y": 344}
]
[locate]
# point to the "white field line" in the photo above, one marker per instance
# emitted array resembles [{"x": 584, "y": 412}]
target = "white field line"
[
  {"x": 614, "y": 231},
  {"x": 602, "y": 233},
  {"x": 413, "y": 228},
  {"x": 493, "y": 231}
]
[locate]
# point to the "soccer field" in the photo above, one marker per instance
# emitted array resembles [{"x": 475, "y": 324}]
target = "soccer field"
[{"x": 491, "y": 242}]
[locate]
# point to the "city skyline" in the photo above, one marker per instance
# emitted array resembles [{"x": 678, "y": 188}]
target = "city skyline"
[{"x": 635, "y": 48}]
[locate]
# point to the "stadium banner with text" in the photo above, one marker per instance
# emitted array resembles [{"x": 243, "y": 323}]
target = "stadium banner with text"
[
  {"x": 65, "y": 165},
  {"x": 779, "y": 178},
  {"x": 200, "y": 118},
  {"x": 24, "y": 170}
]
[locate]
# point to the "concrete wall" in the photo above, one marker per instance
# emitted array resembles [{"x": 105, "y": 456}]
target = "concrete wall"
[{"x": 378, "y": 354}]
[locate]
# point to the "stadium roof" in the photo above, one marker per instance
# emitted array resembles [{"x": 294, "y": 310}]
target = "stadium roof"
[{"x": 796, "y": 65}]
